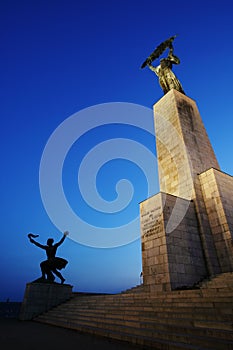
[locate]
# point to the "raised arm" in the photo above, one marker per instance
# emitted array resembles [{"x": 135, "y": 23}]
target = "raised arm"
[
  {"x": 62, "y": 239},
  {"x": 156, "y": 70},
  {"x": 34, "y": 242}
]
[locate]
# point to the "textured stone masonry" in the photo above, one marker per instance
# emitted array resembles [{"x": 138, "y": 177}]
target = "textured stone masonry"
[
  {"x": 41, "y": 297},
  {"x": 171, "y": 259},
  {"x": 186, "y": 229},
  {"x": 217, "y": 188}
]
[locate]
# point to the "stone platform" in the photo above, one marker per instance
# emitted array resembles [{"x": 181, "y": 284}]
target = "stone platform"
[
  {"x": 40, "y": 297},
  {"x": 194, "y": 319}
]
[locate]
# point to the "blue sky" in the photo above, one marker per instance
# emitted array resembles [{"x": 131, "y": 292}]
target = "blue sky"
[{"x": 59, "y": 58}]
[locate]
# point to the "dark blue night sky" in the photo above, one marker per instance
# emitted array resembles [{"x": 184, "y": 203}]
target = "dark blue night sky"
[{"x": 58, "y": 59}]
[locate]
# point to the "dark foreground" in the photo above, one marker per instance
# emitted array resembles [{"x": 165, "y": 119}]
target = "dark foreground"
[{"x": 15, "y": 334}]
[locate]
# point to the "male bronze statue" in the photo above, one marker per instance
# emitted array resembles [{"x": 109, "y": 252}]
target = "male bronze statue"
[{"x": 51, "y": 266}]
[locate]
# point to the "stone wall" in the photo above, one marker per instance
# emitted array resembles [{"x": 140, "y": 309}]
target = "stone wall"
[
  {"x": 217, "y": 189},
  {"x": 183, "y": 147},
  {"x": 172, "y": 255},
  {"x": 41, "y": 297},
  {"x": 154, "y": 246}
]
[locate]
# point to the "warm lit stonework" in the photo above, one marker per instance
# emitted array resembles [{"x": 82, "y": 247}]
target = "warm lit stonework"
[
  {"x": 186, "y": 229},
  {"x": 217, "y": 189}
]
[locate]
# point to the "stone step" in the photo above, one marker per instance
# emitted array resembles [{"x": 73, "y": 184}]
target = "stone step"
[
  {"x": 180, "y": 293},
  {"x": 152, "y": 305},
  {"x": 202, "y": 296},
  {"x": 218, "y": 283},
  {"x": 132, "y": 314},
  {"x": 212, "y": 303},
  {"x": 159, "y": 308},
  {"x": 204, "y": 293},
  {"x": 221, "y": 280},
  {"x": 228, "y": 297},
  {"x": 136, "y": 289},
  {"x": 140, "y": 320},
  {"x": 208, "y": 316},
  {"x": 149, "y": 343},
  {"x": 224, "y": 279},
  {"x": 197, "y": 319},
  {"x": 165, "y": 334}
]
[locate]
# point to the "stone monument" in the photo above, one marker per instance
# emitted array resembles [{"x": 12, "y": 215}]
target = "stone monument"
[
  {"x": 187, "y": 228},
  {"x": 44, "y": 293}
]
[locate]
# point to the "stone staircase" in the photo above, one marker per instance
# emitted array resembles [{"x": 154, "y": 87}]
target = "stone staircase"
[{"x": 200, "y": 318}]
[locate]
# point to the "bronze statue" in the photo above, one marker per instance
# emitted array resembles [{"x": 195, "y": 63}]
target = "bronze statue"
[
  {"x": 51, "y": 266},
  {"x": 167, "y": 78}
]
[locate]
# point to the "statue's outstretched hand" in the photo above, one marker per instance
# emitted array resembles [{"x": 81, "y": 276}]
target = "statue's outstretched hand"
[
  {"x": 30, "y": 235},
  {"x": 66, "y": 233}
]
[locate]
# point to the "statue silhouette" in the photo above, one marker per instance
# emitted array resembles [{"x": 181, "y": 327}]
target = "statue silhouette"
[{"x": 51, "y": 266}]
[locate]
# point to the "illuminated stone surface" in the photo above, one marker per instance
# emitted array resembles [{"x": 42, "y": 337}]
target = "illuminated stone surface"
[{"x": 186, "y": 229}]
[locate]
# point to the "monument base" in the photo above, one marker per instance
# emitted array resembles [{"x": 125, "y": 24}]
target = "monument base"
[
  {"x": 186, "y": 229},
  {"x": 172, "y": 256},
  {"x": 40, "y": 297}
]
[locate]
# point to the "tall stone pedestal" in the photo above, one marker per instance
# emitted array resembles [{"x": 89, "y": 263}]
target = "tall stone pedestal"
[
  {"x": 186, "y": 229},
  {"x": 41, "y": 297}
]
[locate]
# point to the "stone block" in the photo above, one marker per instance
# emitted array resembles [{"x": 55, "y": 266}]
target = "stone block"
[
  {"x": 41, "y": 297},
  {"x": 217, "y": 189},
  {"x": 176, "y": 252}
]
